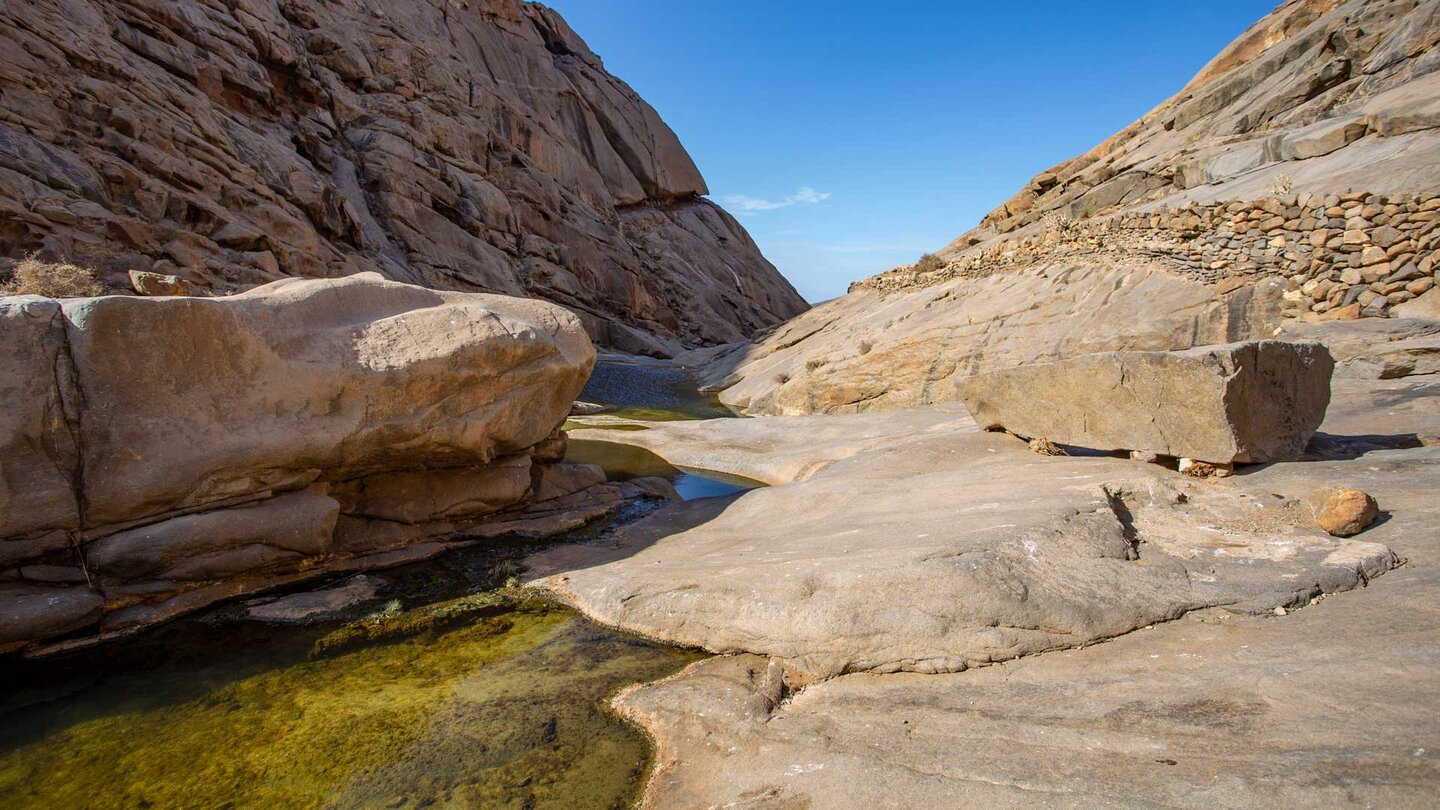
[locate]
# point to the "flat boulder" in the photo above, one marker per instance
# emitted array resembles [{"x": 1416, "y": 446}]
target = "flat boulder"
[
  {"x": 1248, "y": 402},
  {"x": 192, "y": 401}
]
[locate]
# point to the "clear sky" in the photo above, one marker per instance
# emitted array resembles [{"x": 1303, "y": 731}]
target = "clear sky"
[{"x": 850, "y": 137}]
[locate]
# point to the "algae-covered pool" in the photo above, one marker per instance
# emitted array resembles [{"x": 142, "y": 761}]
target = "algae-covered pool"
[
  {"x": 487, "y": 700},
  {"x": 441, "y": 689}
]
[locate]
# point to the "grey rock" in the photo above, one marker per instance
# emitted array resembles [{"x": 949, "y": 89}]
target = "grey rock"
[{"x": 30, "y": 612}]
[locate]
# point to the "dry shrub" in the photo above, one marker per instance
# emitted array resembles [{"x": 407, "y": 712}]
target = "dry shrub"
[
  {"x": 866, "y": 346},
  {"x": 30, "y": 276},
  {"x": 929, "y": 263}
]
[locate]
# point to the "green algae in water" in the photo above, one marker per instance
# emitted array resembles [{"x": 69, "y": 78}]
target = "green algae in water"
[{"x": 505, "y": 710}]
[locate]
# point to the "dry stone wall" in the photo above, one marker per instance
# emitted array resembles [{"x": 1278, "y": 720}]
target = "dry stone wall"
[{"x": 1344, "y": 255}]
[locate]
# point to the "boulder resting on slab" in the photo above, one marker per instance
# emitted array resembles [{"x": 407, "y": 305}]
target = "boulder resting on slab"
[
  {"x": 160, "y": 454},
  {"x": 1247, "y": 402}
]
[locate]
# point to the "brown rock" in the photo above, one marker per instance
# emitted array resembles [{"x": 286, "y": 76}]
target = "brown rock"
[
  {"x": 147, "y": 283},
  {"x": 474, "y": 146},
  {"x": 221, "y": 543},
  {"x": 1343, "y": 512},
  {"x": 1245, "y": 402},
  {"x": 267, "y": 389},
  {"x": 38, "y": 456},
  {"x": 420, "y": 496}
]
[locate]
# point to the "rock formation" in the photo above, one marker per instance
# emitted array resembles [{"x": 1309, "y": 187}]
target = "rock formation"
[
  {"x": 1241, "y": 402},
  {"x": 473, "y": 145},
  {"x": 1294, "y": 179},
  {"x": 158, "y": 454},
  {"x": 912, "y": 541}
]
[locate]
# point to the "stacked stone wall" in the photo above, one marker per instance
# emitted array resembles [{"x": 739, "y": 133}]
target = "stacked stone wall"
[{"x": 1344, "y": 255}]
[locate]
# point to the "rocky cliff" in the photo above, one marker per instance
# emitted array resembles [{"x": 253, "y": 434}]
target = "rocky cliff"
[
  {"x": 1293, "y": 179},
  {"x": 472, "y": 145}
]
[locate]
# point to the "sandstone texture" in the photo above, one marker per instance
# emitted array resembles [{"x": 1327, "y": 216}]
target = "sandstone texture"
[
  {"x": 1293, "y": 180},
  {"x": 1240, "y": 402},
  {"x": 913, "y": 541},
  {"x": 1343, "y": 512},
  {"x": 164, "y": 453},
  {"x": 895, "y": 550},
  {"x": 472, "y": 145}
]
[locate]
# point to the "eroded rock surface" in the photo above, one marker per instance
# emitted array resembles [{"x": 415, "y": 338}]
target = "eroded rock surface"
[
  {"x": 1240, "y": 402},
  {"x": 912, "y": 541},
  {"x": 164, "y": 453},
  {"x": 476, "y": 145},
  {"x": 1224, "y": 706}
]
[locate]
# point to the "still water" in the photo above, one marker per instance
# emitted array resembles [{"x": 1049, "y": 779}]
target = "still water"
[{"x": 443, "y": 688}]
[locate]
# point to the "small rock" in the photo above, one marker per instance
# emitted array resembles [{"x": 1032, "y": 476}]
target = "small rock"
[
  {"x": 1144, "y": 456},
  {"x": 585, "y": 408},
  {"x": 1280, "y": 611},
  {"x": 147, "y": 283},
  {"x": 1343, "y": 512}
]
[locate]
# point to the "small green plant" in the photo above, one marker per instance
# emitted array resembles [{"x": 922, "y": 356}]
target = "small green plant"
[{"x": 31, "y": 276}]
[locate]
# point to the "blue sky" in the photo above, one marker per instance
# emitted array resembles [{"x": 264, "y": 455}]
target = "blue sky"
[{"x": 851, "y": 137}]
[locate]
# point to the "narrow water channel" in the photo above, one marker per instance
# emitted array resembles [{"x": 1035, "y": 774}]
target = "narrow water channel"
[{"x": 430, "y": 685}]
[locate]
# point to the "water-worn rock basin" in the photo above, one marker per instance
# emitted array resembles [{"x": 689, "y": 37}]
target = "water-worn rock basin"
[{"x": 413, "y": 698}]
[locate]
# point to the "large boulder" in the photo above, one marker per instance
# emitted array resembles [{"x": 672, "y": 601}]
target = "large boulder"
[
  {"x": 160, "y": 454},
  {"x": 1240, "y": 402},
  {"x": 190, "y": 401}
]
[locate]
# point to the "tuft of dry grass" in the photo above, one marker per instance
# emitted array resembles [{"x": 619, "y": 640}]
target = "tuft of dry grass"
[{"x": 31, "y": 276}]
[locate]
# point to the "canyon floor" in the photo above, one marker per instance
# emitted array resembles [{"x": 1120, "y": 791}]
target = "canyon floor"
[{"x": 918, "y": 613}]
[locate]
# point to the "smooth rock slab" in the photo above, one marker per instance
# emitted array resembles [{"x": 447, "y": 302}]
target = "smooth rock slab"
[
  {"x": 29, "y": 612},
  {"x": 225, "y": 542},
  {"x": 189, "y": 401},
  {"x": 1240, "y": 402},
  {"x": 912, "y": 541}
]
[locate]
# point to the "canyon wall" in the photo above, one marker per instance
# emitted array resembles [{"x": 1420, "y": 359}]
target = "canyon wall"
[
  {"x": 1294, "y": 179},
  {"x": 471, "y": 145}
]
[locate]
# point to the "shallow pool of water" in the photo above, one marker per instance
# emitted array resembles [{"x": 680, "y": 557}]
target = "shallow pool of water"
[
  {"x": 622, "y": 462},
  {"x": 637, "y": 391},
  {"x": 486, "y": 700}
]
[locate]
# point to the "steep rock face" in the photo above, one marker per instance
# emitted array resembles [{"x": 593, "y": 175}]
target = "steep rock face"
[
  {"x": 473, "y": 145},
  {"x": 164, "y": 453},
  {"x": 1293, "y": 178}
]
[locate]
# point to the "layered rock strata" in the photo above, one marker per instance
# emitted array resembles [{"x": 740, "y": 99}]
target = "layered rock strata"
[
  {"x": 474, "y": 145},
  {"x": 162, "y": 453},
  {"x": 1241, "y": 402}
]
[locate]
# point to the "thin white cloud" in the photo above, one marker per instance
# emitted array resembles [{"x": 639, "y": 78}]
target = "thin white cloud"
[{"x": 750, "y": 205}]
